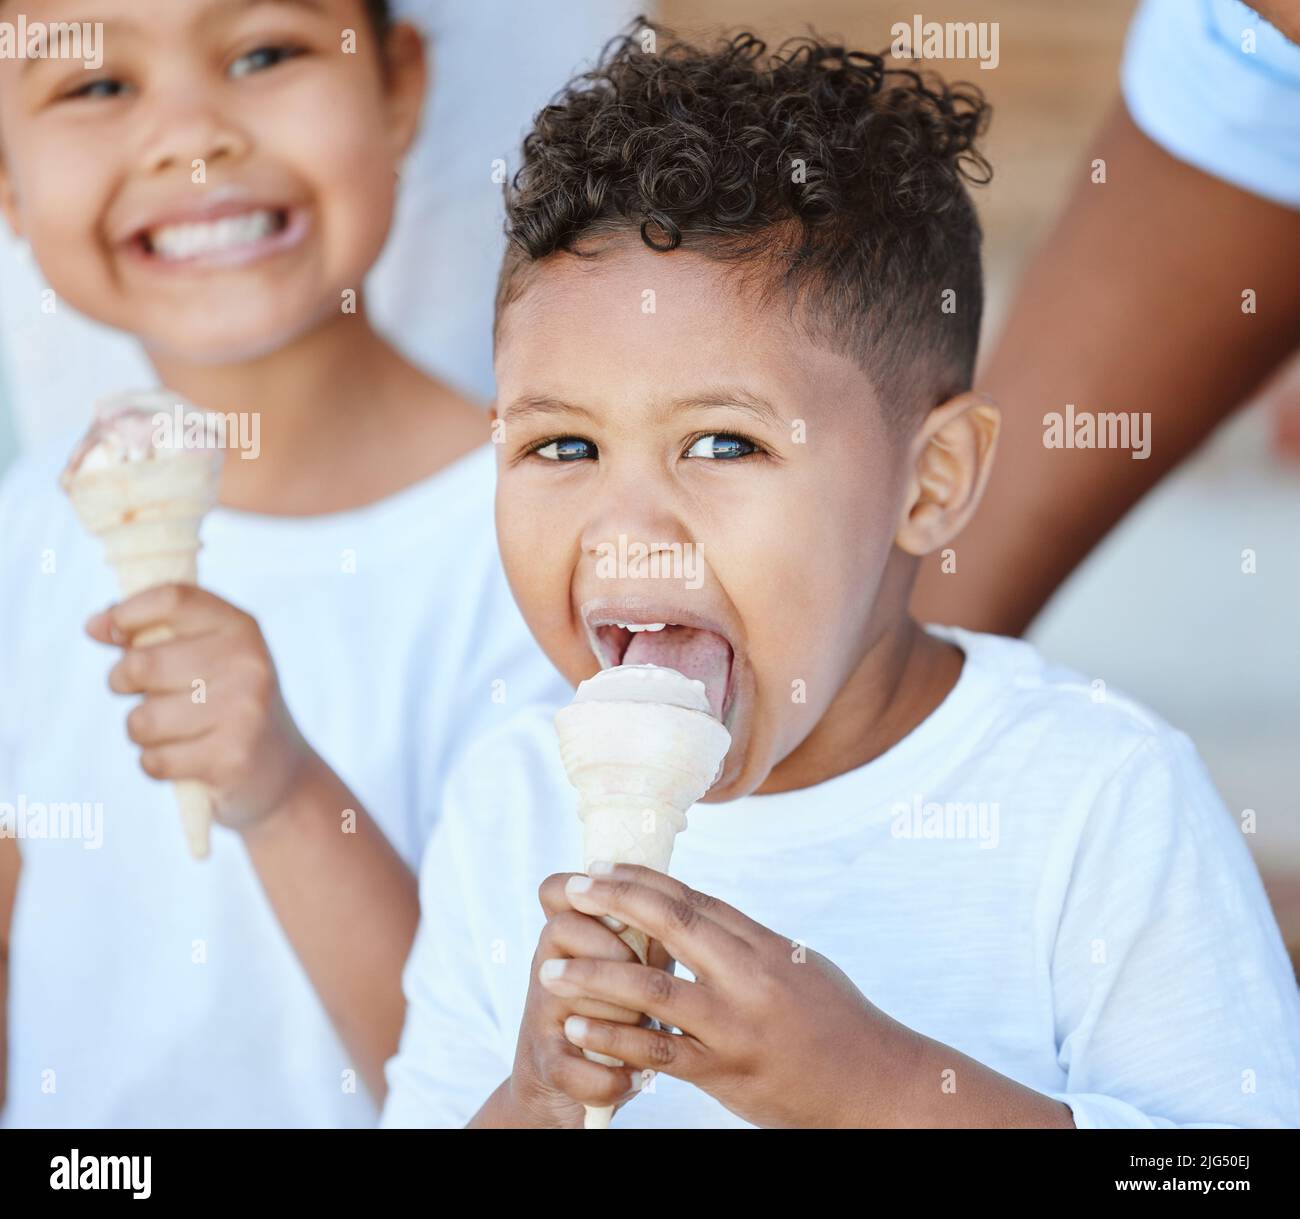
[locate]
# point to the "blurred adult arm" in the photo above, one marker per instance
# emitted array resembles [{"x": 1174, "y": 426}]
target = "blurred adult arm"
[{"x": 1133, "y": 304}]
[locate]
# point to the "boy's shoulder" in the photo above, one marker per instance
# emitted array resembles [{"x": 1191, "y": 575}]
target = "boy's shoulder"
[
  {"x": 1072, "y": 742},
  {"x": 1027, "y": 693}
]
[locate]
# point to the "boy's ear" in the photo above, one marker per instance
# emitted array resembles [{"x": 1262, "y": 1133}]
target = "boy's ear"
[
  {"x": 951, "y": 458},
  {"x": 406, "y": 76}
]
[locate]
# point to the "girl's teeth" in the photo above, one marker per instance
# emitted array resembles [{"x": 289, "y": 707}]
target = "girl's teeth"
[
  {"x": 642, "y": 626},
  {"x": 178, "y": 241}
]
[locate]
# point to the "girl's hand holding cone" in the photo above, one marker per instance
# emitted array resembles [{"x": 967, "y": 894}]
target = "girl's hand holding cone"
[{"x": 212, "y": 709}]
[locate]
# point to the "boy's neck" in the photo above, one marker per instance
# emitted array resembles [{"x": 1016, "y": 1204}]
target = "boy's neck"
[
  {"x": 342, "y": 420},
  {"x": 901, "y": 680}
]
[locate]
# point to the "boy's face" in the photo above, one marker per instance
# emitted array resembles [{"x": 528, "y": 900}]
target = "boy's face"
[
  {"x": 218, "y": 183},
  {"x": 755, "y": 466}
]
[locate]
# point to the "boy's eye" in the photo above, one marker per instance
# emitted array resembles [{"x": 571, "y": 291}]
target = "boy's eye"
[
  {"x": 723, "y": 445},
  {"x": 104, "y": 87},
  {"x": 262, "y": 58},
  {"x": 566, "y": 448}
]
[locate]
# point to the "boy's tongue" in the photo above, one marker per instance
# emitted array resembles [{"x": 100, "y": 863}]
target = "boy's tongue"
[{"x": 698, "y": 654}]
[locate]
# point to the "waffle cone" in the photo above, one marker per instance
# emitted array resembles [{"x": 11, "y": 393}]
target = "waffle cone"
[
  {"x": 148, "y": 515},
  {"x": 638, "y": 767}
]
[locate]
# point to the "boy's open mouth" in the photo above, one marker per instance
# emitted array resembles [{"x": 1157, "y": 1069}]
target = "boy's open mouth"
[{"x": 693, "y": 651}]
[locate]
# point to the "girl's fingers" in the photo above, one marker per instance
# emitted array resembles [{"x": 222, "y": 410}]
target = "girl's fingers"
[
  {"x": 163, "y": 718},
  {"x": 193, "y": 759},
  {"x": 101, "y": 629},
  {"x": 675, "y": 1054},
  {"x": 171, "y": 667},
  {"x": 184, "y": 609}
]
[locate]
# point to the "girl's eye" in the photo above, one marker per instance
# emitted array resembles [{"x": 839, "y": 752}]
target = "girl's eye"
[
  {"x": 105, "y": 86},
  {"x": 723, "y": 445},
  {"x": 262, "y": 58},
  {"x": 566, "y": 448}
]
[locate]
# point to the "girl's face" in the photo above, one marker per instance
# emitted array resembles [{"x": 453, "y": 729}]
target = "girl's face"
[{"x": 222, "y": 179}]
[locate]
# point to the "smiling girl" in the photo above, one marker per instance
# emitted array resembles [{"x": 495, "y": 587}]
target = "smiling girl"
[{"x": 219, "y": 188}]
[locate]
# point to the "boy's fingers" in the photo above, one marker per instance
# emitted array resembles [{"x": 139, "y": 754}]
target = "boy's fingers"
[
  {"x": 570, "y": 934},
  {"x": 592, "y": 1083},
  {"x": 681, "y": 921},
  {"x": 675, "y": 1054},
  {"x": 162, "y": 668},
  {"x": 724, "y": 915},
  {"x": 169, "y": 717},
  {"x": 551, "y": 893},
  {"x": 553, "y": 898},
  {"x": 672, "y": 1001},
  {"x": 185, "y": 609}
]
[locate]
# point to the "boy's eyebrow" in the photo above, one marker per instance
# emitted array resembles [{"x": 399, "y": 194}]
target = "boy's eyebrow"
[
  {"x": 730, "y": 396},
  {"x": 543, "y": 404}
]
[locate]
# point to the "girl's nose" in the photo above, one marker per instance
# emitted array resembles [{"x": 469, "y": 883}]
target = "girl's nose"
[{"x": 182, "y": 138}]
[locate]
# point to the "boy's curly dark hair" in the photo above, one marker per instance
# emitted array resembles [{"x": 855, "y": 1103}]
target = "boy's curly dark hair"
[{"x": 838, "y": 179}]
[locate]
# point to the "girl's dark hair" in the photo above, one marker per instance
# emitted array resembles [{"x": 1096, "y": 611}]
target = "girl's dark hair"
[{"x": 828, "y": 179}]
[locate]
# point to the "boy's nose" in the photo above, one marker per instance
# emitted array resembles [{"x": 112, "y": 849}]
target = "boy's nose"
[{"x": 641, "y": 515}]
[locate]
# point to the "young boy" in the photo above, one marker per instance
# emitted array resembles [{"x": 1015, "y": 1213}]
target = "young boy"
[
  {"x": 938, "y": 882},
  {"x": 219, "y": 188}
]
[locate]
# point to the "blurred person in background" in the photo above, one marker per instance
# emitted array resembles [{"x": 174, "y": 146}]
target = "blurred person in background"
[{"x": 1135, "y": 302}]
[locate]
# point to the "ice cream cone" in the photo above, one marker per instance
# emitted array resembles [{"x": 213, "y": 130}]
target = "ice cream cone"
[
  {"x": 639, "y": 744},
  {"x": 146, "y": 505}
]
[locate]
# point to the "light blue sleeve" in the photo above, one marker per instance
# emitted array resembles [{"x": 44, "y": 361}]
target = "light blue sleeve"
[{"x": 1219, "y": 88}]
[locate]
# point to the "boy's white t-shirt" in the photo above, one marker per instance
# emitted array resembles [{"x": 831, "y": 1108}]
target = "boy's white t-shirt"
[
  {"x": 150, "y": 990},
  {"x": 1090, "y": 924}
]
